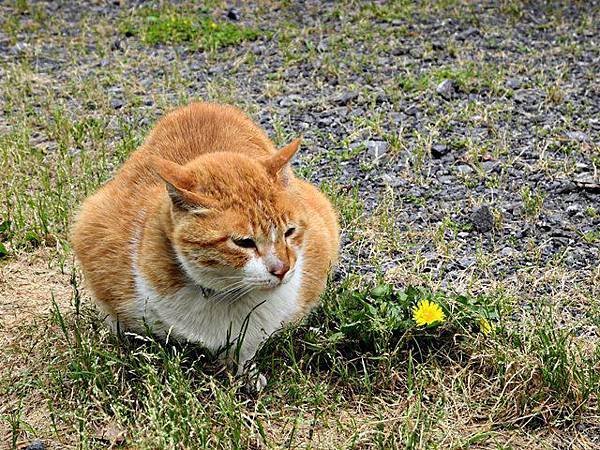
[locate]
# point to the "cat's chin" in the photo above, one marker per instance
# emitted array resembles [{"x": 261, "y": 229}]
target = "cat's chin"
[{"x": 271, "y": 286}]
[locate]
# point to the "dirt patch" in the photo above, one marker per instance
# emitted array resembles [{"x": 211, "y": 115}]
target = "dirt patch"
[{"x": 27, "y": 285}]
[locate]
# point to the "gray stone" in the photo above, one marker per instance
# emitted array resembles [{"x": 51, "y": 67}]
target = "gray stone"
[
  {"x": 468, "y": 33},
  {"x": 116, "y": 103},
  {"x": 233, "y": 14},
  {"x": 377, "y": 149},
  {"x": 257, "y": 49},
  {"x": 490, "y": 166},
  {"x": 463, "y": 169},
  {"x": 578, "y": 136},
  {"x": 573, "y": 209},
  {"x": 466, "y": 262},
  {"x": 521, "y": 97},
  {"x": 412, "y": 110},
  {"x": 482, "y": 219},
  {"x": 346, "y": 98},
  {"x": 322, "y": 46},
  {"x": 117, "y": 44},
  {"x": 382, "y": 97},
  {"x": 290, "y": 100},
  {"x": 395, "y": 117},
  {"x": 439, "y": 150},
  {"x": 392, "y": 180},
  {"x": 513, "y": 83},
  {"x": 445, "y": 89},
  {"x": 324, "y": 122},
  {"x": 36, "y": 445},
  {"x": 19, "y": 47},
  {"x": 430, "y": 256}
]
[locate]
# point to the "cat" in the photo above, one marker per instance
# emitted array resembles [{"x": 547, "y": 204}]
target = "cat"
[{"x": 206, "y": 236}]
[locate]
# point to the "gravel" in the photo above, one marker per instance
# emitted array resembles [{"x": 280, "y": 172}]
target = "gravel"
[{"x": 502, "y": 102}]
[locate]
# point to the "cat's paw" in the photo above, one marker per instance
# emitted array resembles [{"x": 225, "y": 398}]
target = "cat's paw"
[{"x": 255, "y": 381}]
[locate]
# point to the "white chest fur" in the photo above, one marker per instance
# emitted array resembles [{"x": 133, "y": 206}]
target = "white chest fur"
[{"x": 188, "y": 315}]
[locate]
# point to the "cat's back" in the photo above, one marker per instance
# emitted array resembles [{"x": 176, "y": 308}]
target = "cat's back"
[
  {"x": 200, "y": 128},
  {"x": 188, "y": 132}
]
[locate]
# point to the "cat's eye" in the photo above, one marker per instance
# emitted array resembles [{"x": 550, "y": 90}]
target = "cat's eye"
[
  {"x": 290, "y": 231},
  {"x": 244, "y": 242}
]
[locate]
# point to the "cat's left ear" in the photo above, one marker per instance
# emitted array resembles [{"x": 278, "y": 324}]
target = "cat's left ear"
[{"x": 277, "y": 165}]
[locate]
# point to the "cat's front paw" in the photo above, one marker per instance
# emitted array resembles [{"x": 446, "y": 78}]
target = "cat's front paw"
[{"x": 255, "y": 381}]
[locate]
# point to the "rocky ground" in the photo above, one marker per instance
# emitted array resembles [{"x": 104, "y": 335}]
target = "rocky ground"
[{"x": 460, "y": 140}]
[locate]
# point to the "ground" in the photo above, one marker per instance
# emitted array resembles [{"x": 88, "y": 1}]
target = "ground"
[{"x": 460, "y": 143}]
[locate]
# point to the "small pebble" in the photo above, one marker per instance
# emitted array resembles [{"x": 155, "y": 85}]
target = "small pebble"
[
  {"x": 439, "y": 150},
  {"x": 36, "y": 445},
  {"x": 463, "y": 169},
  {"x": 346, "y": 98},
  {"x": 233, "y": 14},
  {"x": 116, "y": 103},
  {"x": 513, "y": 83},
  {"x": 578, "y": 136},
  {"x": 445, "y": 89},
  {"x": 377, "y": 149},
  {"x": 482, "y": 219}
]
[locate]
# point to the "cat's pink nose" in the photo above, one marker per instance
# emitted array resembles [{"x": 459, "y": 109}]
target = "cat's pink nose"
[{"x": 279, "y": 269}]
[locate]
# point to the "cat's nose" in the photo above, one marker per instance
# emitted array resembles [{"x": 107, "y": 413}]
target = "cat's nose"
[{"x": 279, "y": 269}]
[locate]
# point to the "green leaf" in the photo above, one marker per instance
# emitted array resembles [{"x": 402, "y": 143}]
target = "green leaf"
[
  {"x": 4, "y": 226},
  {"x": 383, "y": 290}
]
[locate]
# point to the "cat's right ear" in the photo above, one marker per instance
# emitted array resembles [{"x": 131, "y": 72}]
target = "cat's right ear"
[{"x": 180, "y": 182}]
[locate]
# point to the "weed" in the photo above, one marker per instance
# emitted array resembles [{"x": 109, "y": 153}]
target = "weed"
[
  {"x": 533, "y": 202},
  {"x": 591, "y": 236},
  {"x": 176, "y": 26}
]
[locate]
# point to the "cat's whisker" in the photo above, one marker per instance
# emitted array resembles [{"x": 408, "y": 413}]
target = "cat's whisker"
[
  {"x": 232, "y": 290},
  {"x": 229, "y": 291},
  {"x": 238, "y": 293}
]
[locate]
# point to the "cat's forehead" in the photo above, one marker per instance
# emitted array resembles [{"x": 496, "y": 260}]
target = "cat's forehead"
[
  {"x": 268, "y": 226},
  {"x": 265, "y": 221},
  {"x": 258, "y": 216}
]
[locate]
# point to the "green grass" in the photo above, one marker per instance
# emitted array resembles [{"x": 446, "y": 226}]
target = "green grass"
[
  {"x": 533, "y": 202},
  {"x": 171, "y": 25},
  {"x": 40, "y": 190},
  {"x": 362, "y": 343}
]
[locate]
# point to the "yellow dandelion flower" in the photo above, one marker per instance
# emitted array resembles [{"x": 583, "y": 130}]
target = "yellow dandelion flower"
[
  {"x": 427, "y": 313},
  {"x": 213, "y": 25},
  {"x": 485, "y": 326}
]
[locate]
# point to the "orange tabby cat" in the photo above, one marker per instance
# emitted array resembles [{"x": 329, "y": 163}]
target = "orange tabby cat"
[{"x": 206, "y": 236}]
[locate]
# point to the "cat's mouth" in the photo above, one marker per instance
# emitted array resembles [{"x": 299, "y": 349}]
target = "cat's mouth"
[{"x": 272, "y": 283}]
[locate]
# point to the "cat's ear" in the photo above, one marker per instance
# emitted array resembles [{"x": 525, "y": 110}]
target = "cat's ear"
[
  {"x": 180, "y": 182},
  {"x": 277, "y": 165}
]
